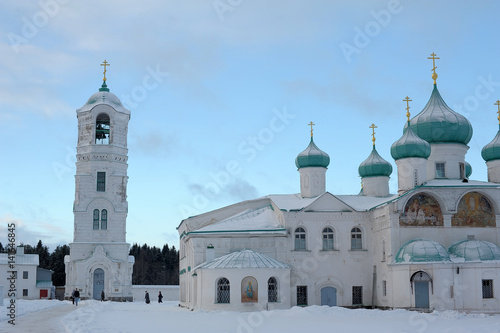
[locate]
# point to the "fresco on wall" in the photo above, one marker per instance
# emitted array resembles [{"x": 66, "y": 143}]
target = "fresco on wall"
[
  {"x": 421, "y": 210},
  {"x": 474, "y": 210},
  {"x": 249, "y": 290}
]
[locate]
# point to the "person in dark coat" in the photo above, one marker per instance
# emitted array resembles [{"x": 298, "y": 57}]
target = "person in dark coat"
[
  {"x": 73, "y": 296},
  {"x": 160, "y": 297},
  {"x": 147, "y": 298},
  {"x": 102, "y": 295},
  {"x": 77, "y": 297}
]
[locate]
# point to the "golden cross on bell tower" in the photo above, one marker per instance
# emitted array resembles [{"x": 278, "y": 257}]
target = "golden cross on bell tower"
[
  {"x": 105, "y": 63},
  {"x": 311, "y": 124},
  {"x": 498, "y": 103},
  {"x": 372, "y": 126},
  {"x": 407, "y": 100},
  {"x": 433, "y": 57}
]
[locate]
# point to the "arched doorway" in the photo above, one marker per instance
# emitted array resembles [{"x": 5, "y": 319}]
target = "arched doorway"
[
  {"x": 421, "y": 282},
  {"x": 329, "y": 296},
  {"x": 98, "y": 283}
]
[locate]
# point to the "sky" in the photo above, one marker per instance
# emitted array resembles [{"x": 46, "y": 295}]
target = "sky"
[{"x": 221, "y": 93}]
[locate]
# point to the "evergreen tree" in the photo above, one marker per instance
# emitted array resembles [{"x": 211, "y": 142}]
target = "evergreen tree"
[{"x": 57, "y": 265}]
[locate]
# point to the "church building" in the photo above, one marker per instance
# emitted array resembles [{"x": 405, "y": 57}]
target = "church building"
[
  {"x": 432, "y": 245},
  {"x": 99, "y": 254}
]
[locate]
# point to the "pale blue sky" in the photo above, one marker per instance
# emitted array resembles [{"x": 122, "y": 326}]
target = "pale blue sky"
[{"x": 235, "y": 84}]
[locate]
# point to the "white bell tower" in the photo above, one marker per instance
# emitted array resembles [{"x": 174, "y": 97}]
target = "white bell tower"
[{"x": 99, "y": 257}]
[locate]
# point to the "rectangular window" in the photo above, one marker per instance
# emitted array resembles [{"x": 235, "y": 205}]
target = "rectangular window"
[
  {"x": 300, "y": 241},
  {"x": 462, "y": 170},
  {"x": 487, "y": 288},
  {"x": 302, "y": 295},
  {"x": 25, "y": 275},
  {"x": 101, "y": 181},
  {"x": 357, "y": 295},
  {"x": 440, "y": 170},
  {"x": 356, "y": 241},
  {"x": 384, "y": 288},
  {"x": 96, "y": 219},
  {"x": 25, "y": 292}
]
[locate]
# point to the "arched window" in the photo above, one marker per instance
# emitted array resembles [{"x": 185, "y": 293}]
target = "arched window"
[
  {"x": 223, "y": 295},
  {"x": 327, "y": 239},
  {"x": 102, "y": 129},
  {"x": 356, "y": 238},
  {"x": 96, "y": 219},
  {"x": 104, "y": 219},
  {"x": 272, "y": 290},
  {"x": 300, "y": 239}
]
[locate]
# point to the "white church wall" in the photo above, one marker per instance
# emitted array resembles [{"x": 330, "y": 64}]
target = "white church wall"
[{"x": 208, "y": 288}]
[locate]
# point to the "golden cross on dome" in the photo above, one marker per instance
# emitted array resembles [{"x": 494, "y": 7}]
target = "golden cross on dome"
[
  {"x": 311, "y": 124},
  {"x": 372, "y": 126},
  {"x": 407, "y": 100},
  {"x": 498, "y": 103},
  {"x": 433, "y": 57},
  {"x": 105, "y": 63}
]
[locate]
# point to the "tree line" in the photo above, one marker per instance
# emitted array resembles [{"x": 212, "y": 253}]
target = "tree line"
[{"x": 152, "y": 265}]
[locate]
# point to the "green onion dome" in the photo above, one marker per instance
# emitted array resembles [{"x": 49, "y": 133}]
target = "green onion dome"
[
  {"x": 468, "y": 170},
  {"x": 491, "y": 151},
  {"x": 422, "y": 250},
  {"x": 438, "y": 123},
  {"x": 410, "y": 145},
  {"x": 475, "y": 250},
  {"x": 375, "y": 166},
  {"x": 312, "y": 156}
]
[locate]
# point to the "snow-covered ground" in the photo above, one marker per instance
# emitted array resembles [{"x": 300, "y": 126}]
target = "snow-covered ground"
[{"x": 94, "y": 316}]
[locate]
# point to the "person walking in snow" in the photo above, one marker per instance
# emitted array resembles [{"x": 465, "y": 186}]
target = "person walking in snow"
[
  {"x": 73, "y": 296},
  {"x": 160, "y": 297},
  {"x": 147, "y": 297},
  {"x": 102, "y": 295},
  {"x": 77, "y": 297}
]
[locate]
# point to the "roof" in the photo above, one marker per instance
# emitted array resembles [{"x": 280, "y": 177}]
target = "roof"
[
  {"x": 491, "y": 151},
  {"x": 421, "y": 250},
  {"x": 261, "y": 219},
  {"x": 20, "y": 259},
  {"x": 375, "y": 166},
  {"x": 475, "y": 250},
  {"x": 243, "y": 259},
  {"x": 438, "y": 123},
  {"x": 312, "y": 156},
  {"x": 410, "y": 145},
  {"x": 106, "y": 98}
]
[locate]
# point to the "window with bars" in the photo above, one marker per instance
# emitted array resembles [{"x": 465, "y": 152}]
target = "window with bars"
[
  {"x": 223, "y": 291},
  {"x": 302, "y": 295},
  {"x": 101, "y": 181},
  {"x": 357, "y": 295},
  {"x": 356, "y": 238},
  {"x": 440, "y": 171},
  {"x": 272, "y": 290},
  {"x": 327, "y": 239},
  {"x": 487, "y": 288},
  {"x": 384, "y": 288},
  {"x": 96, "y": 219},
  {"x": 300, "y": 239},
  {"x": 104, "y": 219}
]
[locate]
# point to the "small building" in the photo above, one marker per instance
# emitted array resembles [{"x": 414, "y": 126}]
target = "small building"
[{"x": 31, "y": 281}]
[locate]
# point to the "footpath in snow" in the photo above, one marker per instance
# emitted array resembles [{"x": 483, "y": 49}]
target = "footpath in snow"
[{"x": 95, "y": 316}]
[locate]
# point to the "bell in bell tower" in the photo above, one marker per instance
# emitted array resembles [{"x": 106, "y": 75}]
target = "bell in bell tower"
[{"x": 99, "y": 257}]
